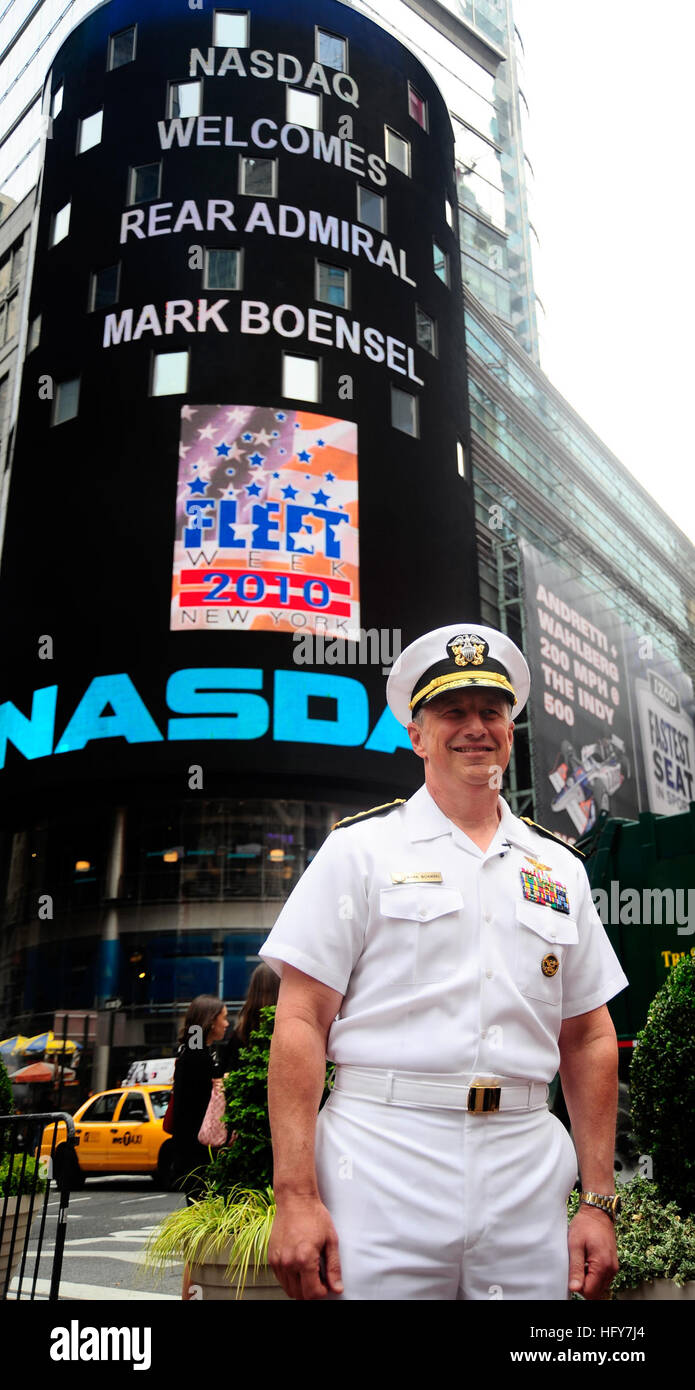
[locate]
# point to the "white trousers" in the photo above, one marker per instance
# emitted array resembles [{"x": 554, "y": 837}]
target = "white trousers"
[{"x": 440, "y": 1204}]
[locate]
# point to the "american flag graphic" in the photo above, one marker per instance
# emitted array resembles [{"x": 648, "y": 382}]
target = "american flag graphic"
[{"x": 266, "y": 522}]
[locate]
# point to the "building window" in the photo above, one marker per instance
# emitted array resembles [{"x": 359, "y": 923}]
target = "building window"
[
  {"x": 89, "y": 132},
  {"x": 300, "y": 377},
  {"x": 425, "y": 331},
  {"x": 371, "y": 208},
  {"x": 12, "y": 317},
  {"x": 6, "y": 276},
  {"x": 104, "y": 287},
  {"x": 441, "y": 263},
  {"x": 222, "y": 269},
  {"x": 60, "y": 225},
  {"x": 144, "y": 183},
  {"x": 332, "y": 284},
  {"x": 417, "y": 107},
  {"x": 258, "y": 177},
  {"x": 231, "y": 29},
  {"x": 169, "y": 373},
  {"x": 185, "y": 99},
  {"x": 397, "y": 150},
  {"x": 449, "y": 213},
  {"x": 461, "y": 459},
  {"x": 66, "y": 401},
  {"x": 122, "y": 48},
  {"x": 303, "y": 108},
  {"x": 57, "y": 101},
  {"x": 34, "y": 334},
  {"x": 404, "y": 412},
  {"x": 331, "y": 50}
]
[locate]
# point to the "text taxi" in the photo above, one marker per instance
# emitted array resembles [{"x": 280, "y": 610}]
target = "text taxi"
[{"x": 117, "y": 1131}]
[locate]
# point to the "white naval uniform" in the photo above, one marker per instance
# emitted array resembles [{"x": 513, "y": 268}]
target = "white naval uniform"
[{"x": 445, "y": 976}]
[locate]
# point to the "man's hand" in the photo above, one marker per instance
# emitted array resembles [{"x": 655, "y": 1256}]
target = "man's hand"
[
  {"x": 593, "y": 1257},
  {"x": 302, "y": 1238}
]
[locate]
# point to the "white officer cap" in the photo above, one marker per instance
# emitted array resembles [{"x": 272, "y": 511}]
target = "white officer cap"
[{"x": 461, "y": 655}]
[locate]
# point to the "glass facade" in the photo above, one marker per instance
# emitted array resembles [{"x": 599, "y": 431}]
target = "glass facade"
[{"x": 483, "y": 103}]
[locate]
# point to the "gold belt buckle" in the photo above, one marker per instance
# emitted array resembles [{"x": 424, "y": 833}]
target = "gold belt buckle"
[{"x": 484, "y": 1097}]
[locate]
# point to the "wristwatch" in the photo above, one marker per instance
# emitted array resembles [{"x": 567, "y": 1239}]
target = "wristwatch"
[{"x": 611, "y": 1203}]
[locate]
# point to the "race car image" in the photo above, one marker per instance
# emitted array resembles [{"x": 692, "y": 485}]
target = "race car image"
[{"x": 586, "y": 783}]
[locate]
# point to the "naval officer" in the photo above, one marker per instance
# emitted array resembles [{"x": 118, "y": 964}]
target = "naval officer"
[{"x": 447, "y": 956}]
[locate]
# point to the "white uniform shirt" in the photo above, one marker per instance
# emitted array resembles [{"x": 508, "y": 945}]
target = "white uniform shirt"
[{"x": 445, "y": 975}]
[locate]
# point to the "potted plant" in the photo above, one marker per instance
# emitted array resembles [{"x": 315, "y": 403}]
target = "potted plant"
[
  {"x": 224, "y": 1237},
  {"x": 20, "y": 1183},
  {"x": 656, "y": 1245}
]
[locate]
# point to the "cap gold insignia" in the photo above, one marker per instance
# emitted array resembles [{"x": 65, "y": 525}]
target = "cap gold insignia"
[
  {"x": 550, "y": 965},
  {"x": 434, "y": 877},
  {"x": 468, "y": 650}
]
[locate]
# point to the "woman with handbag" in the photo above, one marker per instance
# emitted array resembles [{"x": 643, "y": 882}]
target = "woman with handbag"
[{"x": 197, "y": 1066}]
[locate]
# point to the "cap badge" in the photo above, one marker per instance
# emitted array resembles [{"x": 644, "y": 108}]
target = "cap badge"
[
  {"x": 550, "y": 965},
  {"x": 467, "y": 648}
]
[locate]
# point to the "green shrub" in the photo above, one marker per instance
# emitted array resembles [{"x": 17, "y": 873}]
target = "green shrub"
[
  {"x": 18, "y": 1177},
  {"x": 654, "y": 1239},
  {"x": 662, "y": 1085},
  {"x": 248, "y": 1162}
]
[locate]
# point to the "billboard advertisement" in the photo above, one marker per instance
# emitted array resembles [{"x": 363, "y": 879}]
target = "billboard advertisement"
[{"x": 611, "y": 715}]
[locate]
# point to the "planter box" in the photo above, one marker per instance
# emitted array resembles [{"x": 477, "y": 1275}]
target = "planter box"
[
  {"x": 660, "y": 1289},
  {"x": 20, "y": 1233},
  {"x": 212, "y": 1278}
]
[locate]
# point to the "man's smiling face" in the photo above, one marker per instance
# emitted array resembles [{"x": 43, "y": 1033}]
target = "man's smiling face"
[{"x": 463, "y": 736}]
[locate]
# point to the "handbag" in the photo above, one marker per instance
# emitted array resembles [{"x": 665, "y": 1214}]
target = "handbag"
[
  {"x": 168, "y": 1121},
  {"x": 213, "y": 1131}
]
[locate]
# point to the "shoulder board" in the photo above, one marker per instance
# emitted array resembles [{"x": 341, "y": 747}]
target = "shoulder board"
[
  {"x": 549, "y": 835},
  {"x": 364, "y": 815}
]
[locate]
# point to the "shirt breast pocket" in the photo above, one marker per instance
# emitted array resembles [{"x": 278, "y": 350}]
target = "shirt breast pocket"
[
  {"x": 430, "y": 928},
  {"x": 543, "y": 939}
]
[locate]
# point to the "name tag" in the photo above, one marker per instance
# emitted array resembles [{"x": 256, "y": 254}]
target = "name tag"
[{"x": 434, "y": 877}]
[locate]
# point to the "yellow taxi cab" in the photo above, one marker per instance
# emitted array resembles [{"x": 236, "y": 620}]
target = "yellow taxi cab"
[{"x": 118, "y": 1131}]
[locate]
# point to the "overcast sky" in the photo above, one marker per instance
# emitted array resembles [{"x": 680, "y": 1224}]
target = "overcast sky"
[{"x": 610, "y": 138}]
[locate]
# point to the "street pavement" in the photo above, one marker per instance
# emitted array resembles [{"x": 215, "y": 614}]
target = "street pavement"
[{"x": 107, "y": 1226}]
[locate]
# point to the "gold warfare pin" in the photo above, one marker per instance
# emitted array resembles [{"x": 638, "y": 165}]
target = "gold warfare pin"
[{"x": 550, "y": 965}]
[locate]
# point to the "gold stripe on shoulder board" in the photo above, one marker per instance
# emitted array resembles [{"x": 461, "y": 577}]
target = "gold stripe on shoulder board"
[
  {"x": 550, "y": 835},
  {"x": 373, "y": 811}
]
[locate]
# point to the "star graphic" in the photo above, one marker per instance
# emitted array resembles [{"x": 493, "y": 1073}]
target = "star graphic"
[
  {"x": 290, "y": 491},
  {"x": 263, "y": 438},
  {"x": 320, "y": 497},
  {"x": 283, "y": 451},
  {"x": 330, "y": 477},
  {"x": 235, "y": 452},
  {"x": 208, "y": 432},
  {"x": 248, "y": 438},
  {"x": 276, "y": 475},
  {"x": 276, "y": 434},
  {"x": 231, "y": 472},
  {"x": 280, "y": 415},
  {"x": 254, "y": 490},
  {"x": 187, "y": 412},
  {"x": 304, "y": 457},
  {"x": 297, "y": 425},
  {"x": 256, "y": 459},
  {"x": 184, "y": 449},
  {"x": 321, "y": 443},
  {"x": 222, "y": 449},
  {"x": 235, "y": 416},
  {"x": 302, "y": 535},
  {"x": 198, "y": 486}
]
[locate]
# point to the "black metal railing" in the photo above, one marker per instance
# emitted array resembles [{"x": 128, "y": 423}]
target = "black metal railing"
[{"x": 33, "y": 1150}]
